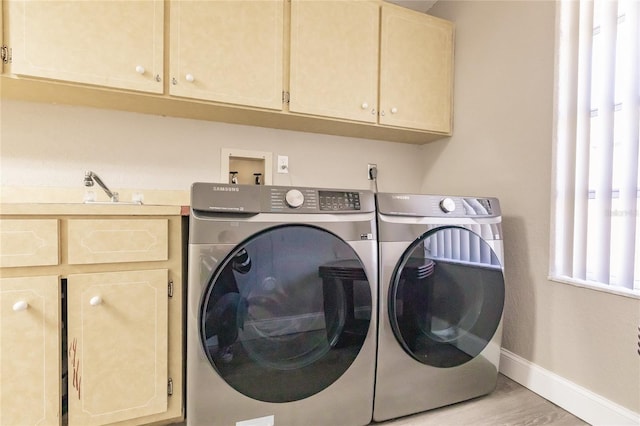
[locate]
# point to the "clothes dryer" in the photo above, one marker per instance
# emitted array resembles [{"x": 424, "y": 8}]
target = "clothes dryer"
[
  {"x": 441, "y": 301},
  {"x": 282, "y": 299}
]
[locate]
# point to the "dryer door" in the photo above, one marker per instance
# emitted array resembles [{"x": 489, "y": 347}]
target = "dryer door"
[
  {"x": 446, "y": 297},
  {"x": 286, "y": 313}
]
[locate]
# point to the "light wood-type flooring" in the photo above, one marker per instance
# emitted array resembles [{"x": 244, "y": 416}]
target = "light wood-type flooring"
[{"x": 509, "y": 404}]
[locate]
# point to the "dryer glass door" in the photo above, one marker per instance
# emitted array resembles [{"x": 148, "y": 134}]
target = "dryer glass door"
[
  {"x": 286, "y": 313},
  {"x": 446, "y": 297}
]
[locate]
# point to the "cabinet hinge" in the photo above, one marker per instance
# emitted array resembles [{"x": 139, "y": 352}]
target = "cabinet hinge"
[
  {"x": 170, "y": 288},
  {"x": 285, "y": 97},
  {"x": 5, "y": 54},
  {"x": 170, "y": 387}
]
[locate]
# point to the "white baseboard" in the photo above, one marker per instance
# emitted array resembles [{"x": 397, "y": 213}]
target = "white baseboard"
[{"x": 577, "y": 400}]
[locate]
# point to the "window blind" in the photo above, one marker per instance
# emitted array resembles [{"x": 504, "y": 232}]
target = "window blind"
[{"x": 596, "y": 238}]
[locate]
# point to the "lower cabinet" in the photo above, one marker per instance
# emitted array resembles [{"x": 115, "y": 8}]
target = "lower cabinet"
[
  {"x": 30, "y": 351},
  {"x": 117, "y": 345},
  {"x": 93, "y": 336}
]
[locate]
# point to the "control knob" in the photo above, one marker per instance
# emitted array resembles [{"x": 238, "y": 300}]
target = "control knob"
[
  {"x": 447, "y": 205},
  {"x": 294, "y": 198}
]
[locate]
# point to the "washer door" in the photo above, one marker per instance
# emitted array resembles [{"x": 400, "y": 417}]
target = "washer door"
[
  {"x": 446, "y": 297},
  {"x": 286, "y": 313}
]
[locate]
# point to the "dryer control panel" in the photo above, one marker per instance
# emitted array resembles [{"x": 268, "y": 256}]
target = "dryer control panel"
[{"x": 420, "y": 205}]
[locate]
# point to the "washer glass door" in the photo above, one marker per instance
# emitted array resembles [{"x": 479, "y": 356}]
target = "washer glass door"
[
  {"x": 446, "y": 297},
  {"x": 285, "y": 314}
]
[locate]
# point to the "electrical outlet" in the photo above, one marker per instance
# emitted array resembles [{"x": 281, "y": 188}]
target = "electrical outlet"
[
  {"x": 283, "y": 164},
  {"x": 370, "y": 174}
]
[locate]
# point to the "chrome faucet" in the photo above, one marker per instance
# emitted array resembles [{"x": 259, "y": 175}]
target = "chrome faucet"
[{"x": 90, "y": 178}]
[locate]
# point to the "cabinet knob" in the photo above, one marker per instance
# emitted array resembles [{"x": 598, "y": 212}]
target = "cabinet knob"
[
  {"x": 364, "y": 105},
  {"x": 95, "y": 301},
  {"x": 20, "y": 305},
  {"x": 189, "y": 78},
  {"x": 140, "y": 69},
  {"x": 394, "y": 110}
]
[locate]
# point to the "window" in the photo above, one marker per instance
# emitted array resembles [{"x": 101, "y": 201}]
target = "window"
[{"x": 596, "y": 194}]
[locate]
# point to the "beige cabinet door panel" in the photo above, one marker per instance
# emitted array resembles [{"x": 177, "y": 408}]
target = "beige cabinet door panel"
[
  {"x": 416, "y": 70},
  {"x": 109, "y": 43},
  {"x": 28, "y": 242},
  {"x": 334, "y": 59},
  {"x": 30, "y": 351},
  {"x": 117, "y": 345},
  {"x": 228, "y": 51},
  {"x": 117, "y": 240}
]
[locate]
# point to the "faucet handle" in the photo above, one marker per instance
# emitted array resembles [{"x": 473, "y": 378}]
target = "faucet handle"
[{"x": 88, "y": 179}]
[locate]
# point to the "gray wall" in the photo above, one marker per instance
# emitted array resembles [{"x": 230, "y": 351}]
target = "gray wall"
[
  {"x": 52, "y": 145},
  {"x": 501, "y": 146}
]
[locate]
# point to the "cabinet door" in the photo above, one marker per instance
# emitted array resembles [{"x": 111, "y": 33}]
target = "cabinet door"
[
  {"x": 228, "y": 51},
  {"x": 117, "y": 240},
  {"x": 30, "y": 351},
  {"x": 109, "y": 43},
  {"x": 334, "y": 59},
  {"x": 117, "y": 345},
  {"x": 28, "y": 242},
  {"x": 416, "y": 67}
]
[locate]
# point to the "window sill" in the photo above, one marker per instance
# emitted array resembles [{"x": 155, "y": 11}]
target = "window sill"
[{"x": 618, "y": 291}]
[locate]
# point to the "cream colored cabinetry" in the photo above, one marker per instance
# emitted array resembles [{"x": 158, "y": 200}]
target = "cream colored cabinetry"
[
  {"x": 416, "y": 70},
  {"x": 123, "y": 300},
  {"x": 361, "y": 68},
  {"x": 29, "y": 324},
  {"x": 30, "y": 350},
  {"x": 334, "y": 59},
  {"x": 117, "y": 338},
  {"x": 116, "y": 44},
  {"x": 335, "y": 64},
  {"x": 29, "y": 242},
  {"x": 228, "y": 51}
]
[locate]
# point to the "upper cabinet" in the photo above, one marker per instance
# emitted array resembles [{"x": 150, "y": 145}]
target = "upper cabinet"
[
  {"x": 342, "y": 50},
  {"x": 228, "y": 51},
  {"x": 362, "y": 68},
  {"x": 416, "y": 70},
  {"x": 334, "y": 59},
  {"x": 117, "y": 44}
]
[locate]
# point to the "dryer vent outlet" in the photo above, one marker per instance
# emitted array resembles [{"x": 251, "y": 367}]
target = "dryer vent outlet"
[{"x": 372, "y": 171}]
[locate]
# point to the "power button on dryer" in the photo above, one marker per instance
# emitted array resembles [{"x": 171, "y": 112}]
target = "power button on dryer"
[{"x": 447, "y": 205}]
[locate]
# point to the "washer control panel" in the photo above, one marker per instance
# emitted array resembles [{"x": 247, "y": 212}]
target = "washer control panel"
[
  {"x": 219, "y": 198},
  {"x": 284, "y": 199},
  {"x": 294, "y": 198},
  {"x": 339, "y": 201}
]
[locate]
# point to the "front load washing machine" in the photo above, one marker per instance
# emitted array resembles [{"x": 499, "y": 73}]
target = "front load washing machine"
[
  {"x": 282, "y": 297},
  {"x": 441, "y": 301}
]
